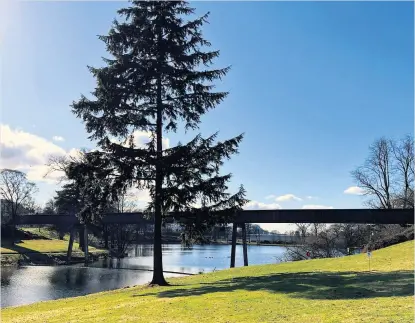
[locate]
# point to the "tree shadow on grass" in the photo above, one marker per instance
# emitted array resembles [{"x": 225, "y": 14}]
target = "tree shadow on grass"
[
  {"x": 19, "y": 249},
  {"x": 310, "y": 285},
  {"x": 26, "y": 255}
]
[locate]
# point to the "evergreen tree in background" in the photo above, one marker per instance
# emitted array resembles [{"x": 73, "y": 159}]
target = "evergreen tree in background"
[
  {"x": 90, "y": 191},
  {"x": 157, "y": 80}
]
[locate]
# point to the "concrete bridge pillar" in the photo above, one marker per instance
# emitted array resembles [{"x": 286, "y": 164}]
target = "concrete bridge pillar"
[
  {"x": 244, "y": 245},
  {"x": 233, "y": 247},
  {"x": 70, "y": 245}
]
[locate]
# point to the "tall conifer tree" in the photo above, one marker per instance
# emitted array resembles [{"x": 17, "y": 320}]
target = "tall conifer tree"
[{"x": 158, "y": 79}]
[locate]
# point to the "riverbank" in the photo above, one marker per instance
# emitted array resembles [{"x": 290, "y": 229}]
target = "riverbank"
[
  {"x": 321, "y": 290},
  {"x": 52, "y": 258},
  {"x": 44, "y": 252}
]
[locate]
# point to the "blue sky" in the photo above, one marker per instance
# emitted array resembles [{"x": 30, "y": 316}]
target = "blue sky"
[{"x": 312, "y": 85}]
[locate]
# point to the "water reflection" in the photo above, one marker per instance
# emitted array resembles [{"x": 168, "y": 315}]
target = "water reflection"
[
  {"x": 69, "y": 277},
  {"x": 33, "y": 284},
  {"x": 6, "y": 275},
  {"x": 141, "y": 251}
]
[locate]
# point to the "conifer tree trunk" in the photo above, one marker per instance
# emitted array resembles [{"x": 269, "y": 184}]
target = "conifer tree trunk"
[{"x": 158, "y": 278}]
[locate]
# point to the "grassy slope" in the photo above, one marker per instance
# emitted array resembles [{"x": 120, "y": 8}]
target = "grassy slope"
[
  {"x": 42, "y": 246},
  {"x": 49, "y": 245},
  {"x": 325, "y": 290}
]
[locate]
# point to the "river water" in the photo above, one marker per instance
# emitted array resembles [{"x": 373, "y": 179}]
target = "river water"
[{"x": 32, "y": 284}]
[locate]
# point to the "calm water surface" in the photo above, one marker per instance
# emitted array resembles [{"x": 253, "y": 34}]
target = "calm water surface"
[{"x": 33, "y": 284}]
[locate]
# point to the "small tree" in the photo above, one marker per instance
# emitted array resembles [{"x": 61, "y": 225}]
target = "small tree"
[
  {"x": 158, "y": 76},
  {"x": 17, "y": 192}
]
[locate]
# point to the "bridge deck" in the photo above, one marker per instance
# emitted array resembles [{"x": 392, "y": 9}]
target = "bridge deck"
[{"x": 393, "y": 216}]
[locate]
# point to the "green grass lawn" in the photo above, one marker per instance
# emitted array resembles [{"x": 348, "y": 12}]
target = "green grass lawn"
[
  {"x": 42, "y": 246},
  {"x": 324, "y": 290},
  {"x": 45, "y": 232},
  {"x": 47, "y": 245}
]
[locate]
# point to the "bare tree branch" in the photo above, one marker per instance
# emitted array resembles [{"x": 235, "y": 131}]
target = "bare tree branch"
[{"x": 387, "y": 175}]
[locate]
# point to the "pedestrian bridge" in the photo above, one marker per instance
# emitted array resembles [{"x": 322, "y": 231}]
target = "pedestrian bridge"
[{"x": 363, "y": 216}]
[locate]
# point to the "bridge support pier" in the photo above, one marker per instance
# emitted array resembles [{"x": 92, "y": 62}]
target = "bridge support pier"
[
  {"x": 86, "y": 244},
  {"x": 244, "y": 245},
  {"x": 233, "y": 248},
  {"x": 70, "y": 245},
  {"x": 106, "y": 235}
]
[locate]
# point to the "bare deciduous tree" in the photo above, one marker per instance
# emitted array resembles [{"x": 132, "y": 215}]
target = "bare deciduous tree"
[
  {"x": 374, "y": 176},
  {"x": 125, "y": 202},
  {"x": 316, "y": 228},
  {"x": 17, "y": 192},
  {"x": 302, "y": 229},
  {"x": 387, "y": 176},
  {"x": 257, "y": 232},
  {"x": 403, "y": 152},
  {"x": 122, "y": 235}
]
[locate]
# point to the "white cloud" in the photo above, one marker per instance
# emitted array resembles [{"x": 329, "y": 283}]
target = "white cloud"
[
  {"x": 309, "y": 197},
  {"x": 21, "y": 149},
  {"x": 254, "y": 205},
  {"x": 58, "y": 138},
  {"x": 28, "y": 152},
  {"x": 141, "y": 138},
  {"x": 37, "y": 174},
  {"x": 354, "y": 190},
  {"x": 139, "y": 195},
  {"x": 142, "y": 197},
  {"x": 270, "y": 197},
  {"x": 287, "y": 197},
  {"x": 314, "y": 206}
]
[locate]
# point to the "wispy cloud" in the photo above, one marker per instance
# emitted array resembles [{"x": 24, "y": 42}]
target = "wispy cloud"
[
  {"x": 288, "y": 197},
  {"x": 354, "y": 190},
  {"x": 254, "y": 205},
  {"x": 58, "y": 138},
  {"x": 316, "y": 206}
]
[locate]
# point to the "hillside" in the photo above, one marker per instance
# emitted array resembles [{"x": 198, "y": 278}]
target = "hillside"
[{"x": 323, "y": 290}]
